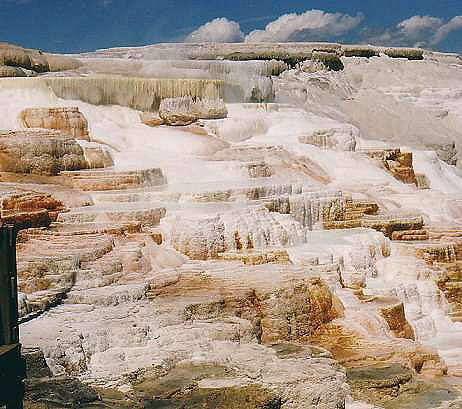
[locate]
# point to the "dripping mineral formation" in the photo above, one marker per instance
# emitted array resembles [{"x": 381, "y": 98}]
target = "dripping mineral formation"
[{"x": 236, "y": 225}]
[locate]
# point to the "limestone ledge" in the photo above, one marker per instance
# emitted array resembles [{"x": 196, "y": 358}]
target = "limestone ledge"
[
  {"x": 66, "y": 119},
  {"x": 39, "y": 151}
]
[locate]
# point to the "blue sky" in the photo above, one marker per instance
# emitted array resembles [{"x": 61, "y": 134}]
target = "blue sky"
[{"x": 74, "y": 26}]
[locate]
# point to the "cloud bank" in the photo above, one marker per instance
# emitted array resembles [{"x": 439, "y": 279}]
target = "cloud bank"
[
  {"x": 319, "y": 25},
  {"x": 417, "y": 31},
  {"x": 313, "y": 25},
  {"x": 220, "y": 30},
  {"x": 453, "y": 25}
]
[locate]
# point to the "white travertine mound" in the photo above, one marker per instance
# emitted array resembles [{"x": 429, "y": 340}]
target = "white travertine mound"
[
  {"x": 96, "y": 155},
  {"x": 40, "y": 151},
  {"x": 309, "y": 238},
  {"x": 341, "y": 138},
  {"x": 185, "y": 110},
  {"x": 69, "y": 120},
  {"x": 203, "y": 238},
  {"x": 238, "y": 129},
  {"x": 255, "y": 51}
]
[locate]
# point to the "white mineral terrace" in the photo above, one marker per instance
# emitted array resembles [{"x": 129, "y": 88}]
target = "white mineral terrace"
[{"x": 214, "y": 242}]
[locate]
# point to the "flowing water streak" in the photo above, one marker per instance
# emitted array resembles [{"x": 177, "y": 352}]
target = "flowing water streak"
[{"x": 425, "y": 305}]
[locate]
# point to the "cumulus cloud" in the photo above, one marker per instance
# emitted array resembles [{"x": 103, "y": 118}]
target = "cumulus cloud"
[
  {"x": 417, "y": 31},
  {"x": 319, "y": 25},
  {"x": 419, "y": 26},
  {"x": 453, "y": 25},
  {"x": 313, "y": 25},
  {"x": 220, "y": 30}
]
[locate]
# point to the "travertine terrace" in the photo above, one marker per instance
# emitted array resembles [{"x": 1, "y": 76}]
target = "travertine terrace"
[{"x": 236, "y": 225}]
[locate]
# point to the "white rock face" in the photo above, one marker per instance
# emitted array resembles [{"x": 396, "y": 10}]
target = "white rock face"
[
  {"x": 203, "y": 238},
  {"x": 262, "y": 242},
  {"x": 238, "y": 129},
  {"x": 185, "y": 110},
  {"x": 343, "y": 138}
]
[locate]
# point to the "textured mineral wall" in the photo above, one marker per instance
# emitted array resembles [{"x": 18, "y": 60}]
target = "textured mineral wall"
[{"x": 289, "y": 254}]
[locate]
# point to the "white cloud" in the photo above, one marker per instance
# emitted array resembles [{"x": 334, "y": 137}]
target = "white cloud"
[
  {"x": 453, "y": 25},
  {"x": 220, "y": 30},
  {"x": 319, "y": 25},
  {"x": 313, "y": 25},
  {"x": 418, "y": 26},
  {"x": 417, "y": 31}
]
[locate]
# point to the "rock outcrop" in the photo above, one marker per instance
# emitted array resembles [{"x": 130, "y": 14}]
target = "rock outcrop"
[
  {"x": 291, "y": 52},
  {"x": 109, "y": 179},
  {"x": 264, "y": 272},
  {"x": 151, "y": 119},
  {"x": 97, "y": 156},
  {"x": 34, "y": 61},
  {"x": 280, "y": 307},
  {"x": 398, "y": 163},
  {"x": 68, "y": 119},
  {"x": 186, "y": 110},
  {"x": 201, "y": 238},
  {"x": 311, "y": 66},
  {"x": 442, "y": 254},
  {"x": 255, "y": 257},
  {"x": 330, "y": 59},
  {"x": 259, "y": 170},
  {"x": 7, "y": 71},
  {"x": 447, "y": 152},
  {"x": 39, "y": 151},
  {"x": 341, "y": 138},
  {"x": 28, "y": 209},
  {"x": 396, "y": 320},
  {"x": 310, "y": 209}
]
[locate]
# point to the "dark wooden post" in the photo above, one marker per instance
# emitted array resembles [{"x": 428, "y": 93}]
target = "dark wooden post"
[{"x": 12, "y": 368}]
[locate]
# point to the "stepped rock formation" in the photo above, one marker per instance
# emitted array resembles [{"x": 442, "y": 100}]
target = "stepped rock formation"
[
  {"x": 293, "y": 241},
  {"x": 100, "y": 180},
  {"x": 68, "y": 120},
  {"x": 396, "y": 320},
  {"x": 203, "y": 238},
  {"x": 40, "y": 151},
  {"x": 28, "y": 209},
  {"x": 398, "y": 163},
  {"x": 137, "y": 93}
]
